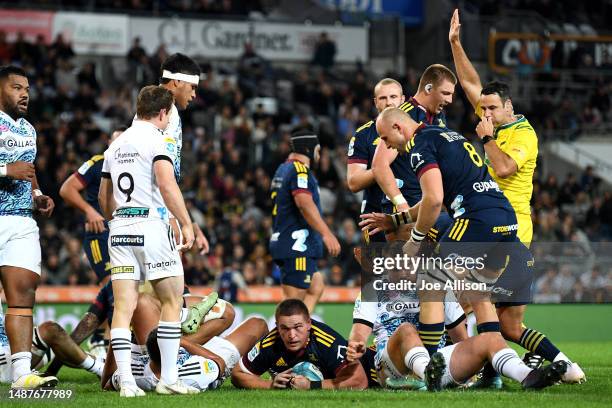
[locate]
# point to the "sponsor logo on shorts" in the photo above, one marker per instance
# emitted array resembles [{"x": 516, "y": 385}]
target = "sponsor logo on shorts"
[
  {"x": 482, "y": 186},
  {"x": 162, "y": 264},
  {"x": 132, "y": 212},
  {"x": 501, "y": 229},
  {"x": 121, "y": 269},
  {"x": 127, "y": 240}
]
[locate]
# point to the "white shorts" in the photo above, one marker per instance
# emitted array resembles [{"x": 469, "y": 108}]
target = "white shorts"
[
  {"x": 19, "y": 243},
  {"x": 385, "y": 367},
  {"x": 447, "y": 379},
  {"x": 224, "y": 349},
  {"x": 143, "y": 251}
]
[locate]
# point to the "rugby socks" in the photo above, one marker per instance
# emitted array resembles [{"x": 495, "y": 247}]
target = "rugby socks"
[
  {"x": 122, "y": 350},
  {"x": 21, "y": 364},
  {"x": 416, "y": 360},
  {"x": 430, "y": 335},
  {"x": 168, "y": 340},
  {"x": 97, "y": 336},
  {"x": 488, "y": 371},
  {"x": 92, "y": 365},
  {"x": 508, "y": 363},
  {"x": 538, "y": 343}
]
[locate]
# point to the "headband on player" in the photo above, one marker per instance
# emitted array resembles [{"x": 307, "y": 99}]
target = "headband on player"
[
  {"x": 304, "y": 142},
  {"x": 192, "y": 79}
]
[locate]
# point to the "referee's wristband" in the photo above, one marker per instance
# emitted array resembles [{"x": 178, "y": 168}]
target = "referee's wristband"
[
  {"x": 3, "y": 170},
  {"x": 315, "y": 385},
  {"x": 402, "y": 217},
  {"x": 486, "y": 139},
  {"x": 416, "y": 235},
  {"x": 398, "y": 200}
]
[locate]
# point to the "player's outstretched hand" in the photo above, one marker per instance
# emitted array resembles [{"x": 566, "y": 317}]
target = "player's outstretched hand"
[
  {"x": 299, "y": 382},
  {"x": 281, "y": 380},
  {"x": 20, "y": 170},
  {"x": 94, "y": 222},
  {"x": 485, "y": 127},
  {"x": 332, "y": 244},
  {"x": 188, "y": 239},
  {"x": 374, "y": 223},
  {"x": 455, "y": 25},
  {"x": 355, "y": 350},
  {"x": 44, "y": 205}
]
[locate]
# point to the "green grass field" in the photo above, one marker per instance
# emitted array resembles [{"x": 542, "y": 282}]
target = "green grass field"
[
  {"x": 583, "y": 332},
  {"x": 594, "y": 357}
]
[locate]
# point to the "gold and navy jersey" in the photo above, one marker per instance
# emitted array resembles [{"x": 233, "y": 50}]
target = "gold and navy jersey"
[
  {"x": 90, "y": 174},
  {"x": 518, "y": 140},
  {"x": 325, "y": 348},
  {"x": 468, "y": 187},
  {"x": 361, "y": 150},
  {"x": 292, "y": 236},
  {"x": 404, "y": 176}
]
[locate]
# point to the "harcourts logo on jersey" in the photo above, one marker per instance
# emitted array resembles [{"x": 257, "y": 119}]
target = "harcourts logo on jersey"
[
  {"x": 482, "y": 186},
  {"x": 162, "y": 264},
  {"x": 10, "y": 142},
  {"x": 127, "y": 240}
]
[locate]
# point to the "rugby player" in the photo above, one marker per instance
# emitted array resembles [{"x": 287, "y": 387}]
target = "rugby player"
[
  {"x": 299, "y": 230},
  {"x": 19, "y": 193},
  {"x": 297, "y": 338},
  {"x": 138, "y": 191}
]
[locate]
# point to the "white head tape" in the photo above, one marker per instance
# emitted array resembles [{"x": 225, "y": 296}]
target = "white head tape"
[
  {"x": 192, "y": 79},
  {"x": 428, "y": 88}
]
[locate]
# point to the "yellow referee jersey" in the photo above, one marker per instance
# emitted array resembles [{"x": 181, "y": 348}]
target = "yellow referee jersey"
[{"x": 519, "y": 141}]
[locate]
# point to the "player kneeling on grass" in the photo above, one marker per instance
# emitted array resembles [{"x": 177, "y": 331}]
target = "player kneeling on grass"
[
  {"x": 455, "y": 365},
  {"x": 296, "y": 349},
  {"x": 49, "y": 339}
]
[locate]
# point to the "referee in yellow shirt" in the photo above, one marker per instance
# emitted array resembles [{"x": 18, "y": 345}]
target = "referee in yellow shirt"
[{"x": 511, "y": 148}]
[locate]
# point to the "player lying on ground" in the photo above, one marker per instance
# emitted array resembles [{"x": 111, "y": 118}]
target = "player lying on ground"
[
  {"x": 216, "y": 358},
  {"x": 300, "y": 348},
  {"x": 456, "y": 364},
  {"x": 101, "y": 312},
  {"x": 49, "y": 339}
]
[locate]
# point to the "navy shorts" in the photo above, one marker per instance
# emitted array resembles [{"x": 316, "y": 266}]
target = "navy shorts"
[
  {"x": 96, "y": 249},
  {"x": 297, "y": 272},
  {"x": 515, "y": 285},
  {"x": 489, "y": 234}
]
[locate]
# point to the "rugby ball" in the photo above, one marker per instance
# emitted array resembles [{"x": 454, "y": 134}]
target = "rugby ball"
[{"x": 308, "y": 370}]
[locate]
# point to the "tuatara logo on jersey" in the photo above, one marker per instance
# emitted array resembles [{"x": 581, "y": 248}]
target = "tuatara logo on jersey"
[
  {"x": 504, "y": 229},
  {"x": 127, "y": 240},
  {"x": 11, "y": 143},
  {"x": 161, "y": 264}
]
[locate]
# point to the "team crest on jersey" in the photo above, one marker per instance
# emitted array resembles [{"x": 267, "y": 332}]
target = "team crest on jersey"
[
  {"x": 85, "y": 166},
  {"x": 302, "y": 180}
]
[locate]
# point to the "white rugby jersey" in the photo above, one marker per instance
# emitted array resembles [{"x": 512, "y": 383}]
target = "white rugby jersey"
[
  {"x": 193, "y": 370},
  {"x": 17, "y": 143},
  {"x": 129, "y": 163},
  {"x": 175, "y": 131},
  {"x": 391, "y": 310}
]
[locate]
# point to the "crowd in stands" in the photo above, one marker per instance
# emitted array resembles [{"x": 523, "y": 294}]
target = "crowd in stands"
[{"x": 235, "y": 134}]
